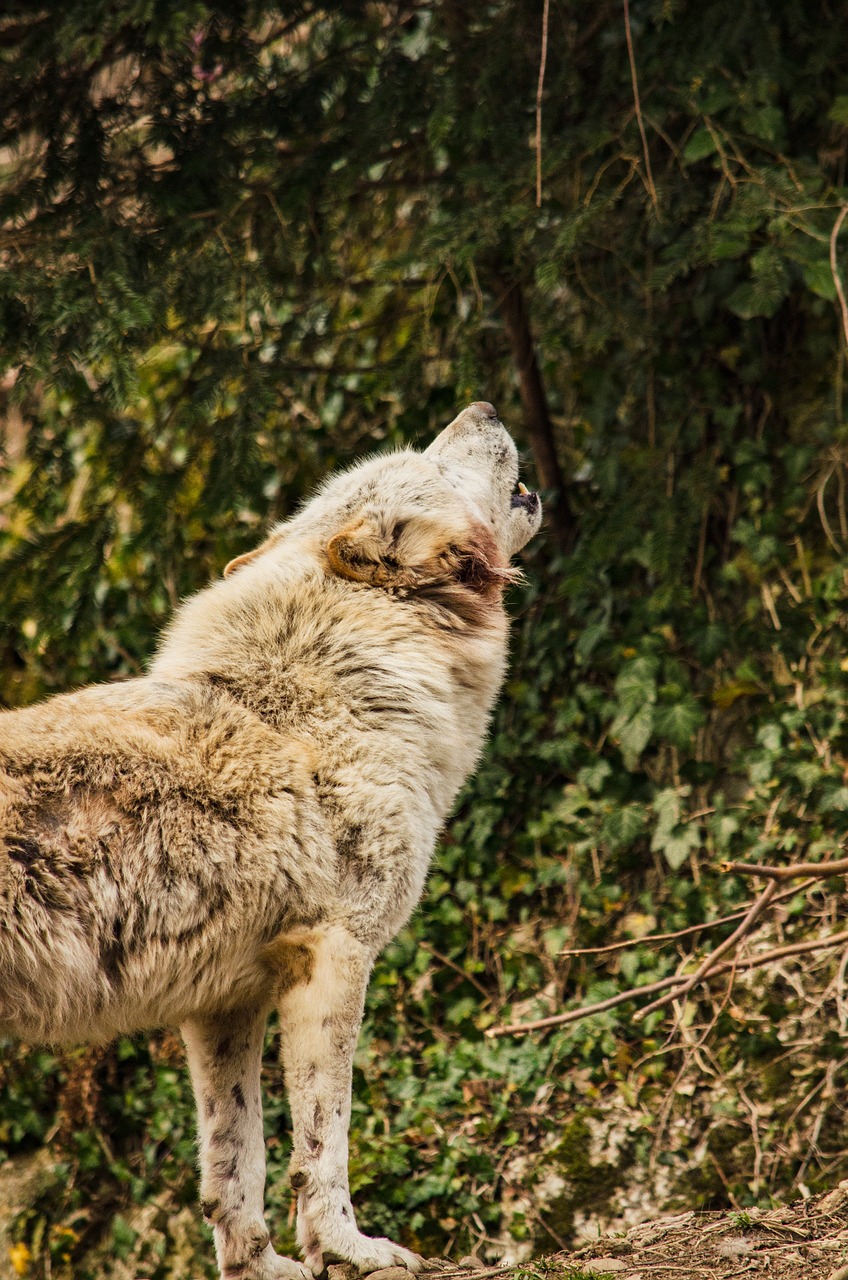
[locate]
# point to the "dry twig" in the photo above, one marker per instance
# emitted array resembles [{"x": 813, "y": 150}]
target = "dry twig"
[
  {"x": 638, "y": 106},
  {"x": 542, "y": 63},
  {"x": 817, "y": 870},
  {"x": 678, "y": 985},
  {"x": 651, "y": 939},
  {"x": 837, "y": 279},
  {"x": 675, "y": 980},
  {"x": 708, "y": 965}
]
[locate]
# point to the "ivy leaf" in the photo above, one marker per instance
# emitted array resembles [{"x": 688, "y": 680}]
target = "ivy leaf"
[
  {"x": 636, "y": 688},
  {"x": 700, "y": 145},
  {"x": 673, "y": 839},
  {"x": 677, "y": 847},
  {"x": 819, "y": 277},
  {"x": 636, "y": 683},
  {"x": 634, "y": 732},
  {"x": 679, "y": 722},
  {"x": 624, "y": 825},
  {"x": 838, "y": 113},
  {"x": 594, "y": 775}
]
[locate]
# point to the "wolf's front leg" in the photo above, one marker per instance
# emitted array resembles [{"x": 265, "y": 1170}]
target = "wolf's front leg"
[
  {"x": 323, "y": 973},
  {"x": 224, "y": 1057}
]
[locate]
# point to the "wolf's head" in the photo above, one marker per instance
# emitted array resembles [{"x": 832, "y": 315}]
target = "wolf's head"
[{"x": 408, "y": 522}]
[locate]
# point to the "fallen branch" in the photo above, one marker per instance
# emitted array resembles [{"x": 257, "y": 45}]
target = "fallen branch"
[
  {"x": 818, "y": 870},
  {"x": 651, "y": 938},
  {"x": 709, "y": 964},
  {"x": 679, "y": 985},
  {"x": 726, "y": 966}
]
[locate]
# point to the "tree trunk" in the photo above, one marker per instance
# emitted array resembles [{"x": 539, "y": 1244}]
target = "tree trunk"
[{"x": 510, "y": 301}]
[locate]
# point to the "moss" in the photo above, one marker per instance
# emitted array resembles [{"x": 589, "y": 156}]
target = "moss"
[
  {"x": 588, "y": 1185},
  {"x": 776, "y": 1079},
  {"x": 727, "y": 1163}
]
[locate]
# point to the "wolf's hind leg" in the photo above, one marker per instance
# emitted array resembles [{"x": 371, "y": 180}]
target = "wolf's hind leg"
[
  {"x": 224, "y": 1057},
  {"x": 323, "y": 974}
]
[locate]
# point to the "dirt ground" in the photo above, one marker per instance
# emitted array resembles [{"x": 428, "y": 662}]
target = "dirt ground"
[{"x": 807, "y": 1240}]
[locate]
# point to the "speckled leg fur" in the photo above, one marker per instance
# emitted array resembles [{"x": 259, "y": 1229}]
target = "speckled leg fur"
[
  {"x": 320, "y": 1022},
  {"x": 224, "y": 1057}
]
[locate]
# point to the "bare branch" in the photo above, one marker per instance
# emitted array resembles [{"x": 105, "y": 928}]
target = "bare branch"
[
  {"x": 540, "y": 87},
  {"x": 651, "y": 939},
  {"x": 648, "y": 175},
  {"x": 837, "y": 279},
  {"x": 674, "y": 980},
  {"x": 818, "y": 870},
  {"x": 712, "y": 959}
]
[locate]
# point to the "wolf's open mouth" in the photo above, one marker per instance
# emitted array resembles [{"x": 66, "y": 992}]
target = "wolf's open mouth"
[{"x": 524, "y": 498}]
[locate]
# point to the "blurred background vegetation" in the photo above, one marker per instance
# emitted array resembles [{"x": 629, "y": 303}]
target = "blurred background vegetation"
[{"x": 245, "y": 243}]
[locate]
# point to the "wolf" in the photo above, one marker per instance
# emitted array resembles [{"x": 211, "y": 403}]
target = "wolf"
[{"x": 248, "y": 825}]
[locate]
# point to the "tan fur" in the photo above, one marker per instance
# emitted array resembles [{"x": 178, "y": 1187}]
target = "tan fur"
[{"x": 252, "y": 821}]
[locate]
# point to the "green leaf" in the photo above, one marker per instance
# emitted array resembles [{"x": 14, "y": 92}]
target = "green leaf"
[
  {"x": 675, "y": 840},
  {"x": 765, "y": 122},
  {"x": 624, "y": 825},
  {"x": 594, "y": 775},
  {"x": 636, "y": 683},
  {"x": 819, "y": 277},
  {"x": 679, "y": 722},
  {"x": 633, "y": 732},
  {"x": 677, "y": 847},
  {"x": 667, "y": 810},
  {"x": 700, "y": 145},
  {"x": 838, "y": 113}
]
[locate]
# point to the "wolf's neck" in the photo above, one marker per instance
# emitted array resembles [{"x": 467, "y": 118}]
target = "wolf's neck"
[{"x": 352, "y": 670}]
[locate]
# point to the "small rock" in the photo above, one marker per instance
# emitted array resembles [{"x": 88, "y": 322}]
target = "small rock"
[
  {"x": 834, "y": 1200},
  {"x": 603, "y": 1265},
  {"x": 342, "y": 1271},
  {"x": 388, "y": 1273},
  {"x": 474, "y": 1264},
  {"x": 734, "y": 1247}
]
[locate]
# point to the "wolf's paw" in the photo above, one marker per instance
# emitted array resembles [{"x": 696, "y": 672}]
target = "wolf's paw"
[
  {"x": 368, "y": 1254},
  {"x": 285, "y": 1269},
  {"x": 267, "y": 1265}
]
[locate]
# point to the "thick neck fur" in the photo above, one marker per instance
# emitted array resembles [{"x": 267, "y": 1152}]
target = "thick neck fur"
[{"x": 332, "y": 661}]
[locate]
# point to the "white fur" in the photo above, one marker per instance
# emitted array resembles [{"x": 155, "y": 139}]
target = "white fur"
[{"x": 251, "y": 822}]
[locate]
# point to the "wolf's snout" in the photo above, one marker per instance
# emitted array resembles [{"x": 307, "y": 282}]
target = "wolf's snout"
[
  {"x": 477, "y": 422},
  {"x": 483, "y": 406}
]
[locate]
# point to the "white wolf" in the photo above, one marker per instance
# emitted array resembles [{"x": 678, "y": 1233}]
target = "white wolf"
[{"x": 250, "y": 823}]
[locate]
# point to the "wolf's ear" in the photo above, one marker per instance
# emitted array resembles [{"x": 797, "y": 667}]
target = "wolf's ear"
[
  {"x": 269, "y": 542},
  {"x": 240, "y": 560},
  {"x": 366, "y": 551}
]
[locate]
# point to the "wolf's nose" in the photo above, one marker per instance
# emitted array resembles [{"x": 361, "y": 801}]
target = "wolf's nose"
[{"x": 484, "y": 407}]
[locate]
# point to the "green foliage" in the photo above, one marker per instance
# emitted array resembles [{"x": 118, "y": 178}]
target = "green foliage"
[{"x": 245, "y": 244}]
